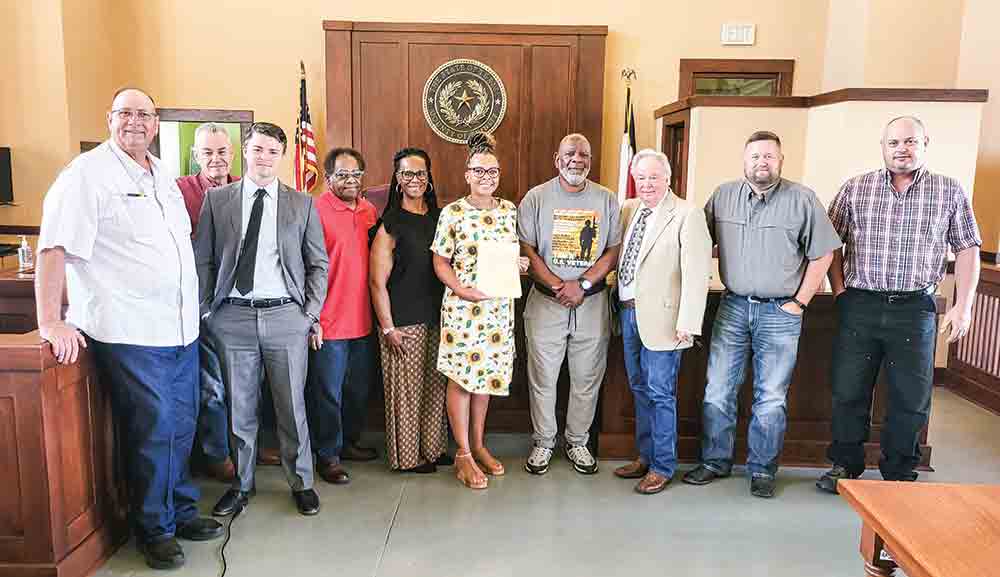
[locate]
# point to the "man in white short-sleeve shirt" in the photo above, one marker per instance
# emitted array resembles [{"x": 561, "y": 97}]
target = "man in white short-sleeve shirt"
[{"x": 116, "y": 234}]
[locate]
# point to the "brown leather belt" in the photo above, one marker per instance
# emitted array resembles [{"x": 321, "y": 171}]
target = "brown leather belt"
[{"x": 629, "y": 304}]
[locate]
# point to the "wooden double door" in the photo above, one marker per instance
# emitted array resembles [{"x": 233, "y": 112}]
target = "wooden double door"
[{"x": 554, "y": 81}]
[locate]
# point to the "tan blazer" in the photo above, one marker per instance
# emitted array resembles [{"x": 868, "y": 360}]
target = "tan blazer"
[{"x": 673, "y": 273}]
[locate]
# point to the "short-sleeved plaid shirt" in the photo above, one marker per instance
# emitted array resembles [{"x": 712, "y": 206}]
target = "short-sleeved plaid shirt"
[{"x": 898, "y": 241}]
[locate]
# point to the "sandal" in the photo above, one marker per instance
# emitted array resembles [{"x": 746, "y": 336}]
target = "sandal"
[
  {"x": 488, "y": 462},
  {"x": 477, "y": 480}
]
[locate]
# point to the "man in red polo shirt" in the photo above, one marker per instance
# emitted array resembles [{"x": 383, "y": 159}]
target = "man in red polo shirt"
[
  {"x": 213, "y": 151},
  {"x": 340, "y": 371}
]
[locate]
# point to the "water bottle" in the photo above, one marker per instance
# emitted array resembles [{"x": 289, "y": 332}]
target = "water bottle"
[{"x": 25, "y": 256}]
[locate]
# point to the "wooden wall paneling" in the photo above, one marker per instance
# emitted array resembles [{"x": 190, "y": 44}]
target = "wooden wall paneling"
[
  {"x": 590, "y": 88},
  {"x": 381, "y": 96},
  {"x": 339, "y": 96},
  {"x": 552, "y": 113},
  {"x": 11, "y": 515}
]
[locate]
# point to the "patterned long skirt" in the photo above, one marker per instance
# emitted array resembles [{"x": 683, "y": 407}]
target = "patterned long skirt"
[{"x": 416, "y": 426}]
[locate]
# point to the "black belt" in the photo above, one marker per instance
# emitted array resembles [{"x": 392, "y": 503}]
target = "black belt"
[
  {"x": 893, "y": 297},
  {"x": 593, "y": 290},
  {"x": 758, "y": 300},
  {"x": 258, "y": 303}
]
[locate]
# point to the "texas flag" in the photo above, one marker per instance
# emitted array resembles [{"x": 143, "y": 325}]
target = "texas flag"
[{"x": 626, "y": 185}]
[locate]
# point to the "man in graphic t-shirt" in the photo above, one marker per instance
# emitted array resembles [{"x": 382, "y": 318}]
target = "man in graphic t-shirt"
[{"x": 569, "y": 230}]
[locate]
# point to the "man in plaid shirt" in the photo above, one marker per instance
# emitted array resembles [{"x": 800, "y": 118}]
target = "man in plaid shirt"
[{"x": 897, "y": 225}]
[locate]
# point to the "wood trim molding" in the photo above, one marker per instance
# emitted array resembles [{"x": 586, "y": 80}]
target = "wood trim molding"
[
  {"x": 463, "y": 28},
  {"x": 689, "y": 67},
  {"x": 837, "y": 96},
  {"x": 14, "y": 230},
  {"x": 204, "y": 115}
]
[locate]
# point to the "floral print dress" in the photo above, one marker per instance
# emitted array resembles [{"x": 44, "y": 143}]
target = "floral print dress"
[{"x": 477, "y": 339}]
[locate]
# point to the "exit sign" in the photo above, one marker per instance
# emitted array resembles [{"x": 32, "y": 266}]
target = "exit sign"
[{"x": 738, "y": 34}]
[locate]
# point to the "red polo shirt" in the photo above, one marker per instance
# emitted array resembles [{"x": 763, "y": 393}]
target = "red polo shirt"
[
  {"x": 347, "y": 312},
  {"x": 193, "y": 188}
]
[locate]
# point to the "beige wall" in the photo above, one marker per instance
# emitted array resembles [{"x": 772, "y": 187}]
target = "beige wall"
[
  {"x": 912, "y": 43},
  {"x": 978, "y": 69}
]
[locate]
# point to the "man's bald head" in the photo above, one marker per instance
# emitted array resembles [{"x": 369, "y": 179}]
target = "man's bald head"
[
  {"x": 573, "y": 161},
  {"x": 904, "y": 144}
]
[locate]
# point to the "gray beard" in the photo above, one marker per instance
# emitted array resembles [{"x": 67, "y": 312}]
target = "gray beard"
[{"x": 574, "y": 179}]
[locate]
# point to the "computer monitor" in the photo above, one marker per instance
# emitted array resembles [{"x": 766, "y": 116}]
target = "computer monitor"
[{"x": 6, "y": 182}]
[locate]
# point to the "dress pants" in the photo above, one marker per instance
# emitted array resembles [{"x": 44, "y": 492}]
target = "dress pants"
[
  {"x": 253, "y": 343},
  {"x": 154, "y": 393},
  {"x": 339, "y": 380}
]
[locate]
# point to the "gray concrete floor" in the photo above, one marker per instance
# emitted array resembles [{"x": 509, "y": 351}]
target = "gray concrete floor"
[{"x": 386, "y": 524}]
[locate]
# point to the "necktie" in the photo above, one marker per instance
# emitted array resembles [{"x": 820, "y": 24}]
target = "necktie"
[
  {"x": 627, "y": 274},
  {"x": 248, "y": 255}
]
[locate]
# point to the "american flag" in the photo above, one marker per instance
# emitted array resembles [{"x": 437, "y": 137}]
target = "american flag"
[
  {"x": 626, "y": 185},
  {"x": 306, "y": 169}
]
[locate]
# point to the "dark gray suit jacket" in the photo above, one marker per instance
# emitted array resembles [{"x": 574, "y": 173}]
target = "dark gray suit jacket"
[{"x": 304, "y": 261}]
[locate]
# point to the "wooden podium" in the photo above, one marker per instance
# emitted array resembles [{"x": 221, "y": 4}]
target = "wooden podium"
[{"x": 62, "y": 507}]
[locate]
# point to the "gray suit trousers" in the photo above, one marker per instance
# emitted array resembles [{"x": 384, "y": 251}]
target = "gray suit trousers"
[{"x": 271, "y": 341}]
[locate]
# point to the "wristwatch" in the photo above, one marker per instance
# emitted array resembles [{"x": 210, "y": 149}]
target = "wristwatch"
[
  {"x": 586, "y": 284},
  {"x": 801, "y": 304}
]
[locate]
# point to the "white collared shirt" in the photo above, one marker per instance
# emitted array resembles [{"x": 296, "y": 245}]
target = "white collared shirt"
[
  {"x": 130, "y": 272},
  {"x": 627, "y": 293},
  {"x": 268, "y": 279}
]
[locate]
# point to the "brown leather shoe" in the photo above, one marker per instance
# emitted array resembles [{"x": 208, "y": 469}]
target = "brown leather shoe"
[
  {"x": 332, "y": 473},
  {"x": 634, "y": 470},
  {"x": 652, "y": 483},
  {"x": 223, "y": 471},
  {"x": 268, "y": 456}
]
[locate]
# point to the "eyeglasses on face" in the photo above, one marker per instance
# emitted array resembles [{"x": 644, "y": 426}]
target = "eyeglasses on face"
[
  {"x": 124, "y": 114},
  {"x": 342, "y": 175},
  {"x": 480, "y": 173},
  {"x": 408, "y": 175}
]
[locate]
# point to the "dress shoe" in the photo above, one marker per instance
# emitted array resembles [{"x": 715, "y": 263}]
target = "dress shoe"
[
  {"x": 762, "y": 485},
  {"x": 233, "y": 500},
  {"x": 200, "y": 529},
  {"x": 701, "y": 475},
  {"x": 634, "y": 470},
  {"x": 356, "y": 452},
  {"x": 652, "y": 483},
  {"x": 332, "y": 472},
  {"x": 445, "y": 460},
  {"x": 307, "y": 501},
  {"x": 223, "y": 471},
  {"x": 165, "y": 554},
  {"x": 268, "y": 456},
  {"x": 422, "y": 469},
  {"x": 828, "y": 482}
]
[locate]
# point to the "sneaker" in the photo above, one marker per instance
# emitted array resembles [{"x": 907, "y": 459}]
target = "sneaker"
[
  {"x": 538, "y": 460},
  {"x": 762, "y": 485},
  {"x": 581, "y": 458},
  {"x": 828, "y": 482}
]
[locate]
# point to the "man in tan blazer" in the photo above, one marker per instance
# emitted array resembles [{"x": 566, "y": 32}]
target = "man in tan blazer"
[{"x": 663, "y": 276}]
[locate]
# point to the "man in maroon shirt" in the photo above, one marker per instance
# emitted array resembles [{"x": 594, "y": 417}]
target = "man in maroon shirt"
[{"x": 213, "y": 151}]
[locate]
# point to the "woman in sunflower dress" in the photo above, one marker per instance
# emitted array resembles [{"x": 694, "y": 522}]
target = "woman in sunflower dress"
[{"x": 476, "y": 352}]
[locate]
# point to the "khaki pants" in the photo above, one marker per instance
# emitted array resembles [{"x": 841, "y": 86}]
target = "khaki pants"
[{"x": 552, "y": 331}]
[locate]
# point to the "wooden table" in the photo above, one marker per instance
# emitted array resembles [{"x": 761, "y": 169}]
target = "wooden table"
[{"x": 927, "y": 529}]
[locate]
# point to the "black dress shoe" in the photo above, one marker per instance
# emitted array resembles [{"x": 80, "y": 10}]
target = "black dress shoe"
[
  {"x": 358, "y": 453},
  {"x": 701, "y": 475},
  {"x": 165, "y": 554},
  {"x": 762, "y": 485},
  {"x": 307, "y": 501},
  {"x": 423, "y": 469},
  {"x": 828, "y": 482},
  {"x": 233, "y": 500},
  {"x": 200, "y": 529},
  {"x": 445, "y": 460}
]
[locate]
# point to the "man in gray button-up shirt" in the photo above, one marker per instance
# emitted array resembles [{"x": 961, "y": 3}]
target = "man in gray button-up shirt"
[{"x": 775, "y": 245}]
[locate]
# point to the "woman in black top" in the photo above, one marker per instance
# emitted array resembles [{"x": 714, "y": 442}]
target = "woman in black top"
[{"x": 407, "y": 298}]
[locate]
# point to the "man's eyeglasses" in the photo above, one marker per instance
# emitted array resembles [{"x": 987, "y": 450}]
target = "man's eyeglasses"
[
  {"x": 480, "y": 173},
  {"x": 342, "y": 175},
  {"x": 124, "y": 114},
  {"x": 408, "y": 175}
]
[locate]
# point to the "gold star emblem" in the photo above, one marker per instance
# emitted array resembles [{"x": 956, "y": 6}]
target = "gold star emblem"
[{"x": 464, "y": 100}]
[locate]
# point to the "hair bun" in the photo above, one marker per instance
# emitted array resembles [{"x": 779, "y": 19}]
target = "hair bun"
[{"x": 480, "y": 142}]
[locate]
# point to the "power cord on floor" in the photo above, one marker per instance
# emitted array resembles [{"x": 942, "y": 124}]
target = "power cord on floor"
[{"x": 229, "y": 533}]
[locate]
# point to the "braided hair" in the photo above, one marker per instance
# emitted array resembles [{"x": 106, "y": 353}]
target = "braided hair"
[
  {"x": 395, "y": 200},
  {"x": 481, "y": 143}
]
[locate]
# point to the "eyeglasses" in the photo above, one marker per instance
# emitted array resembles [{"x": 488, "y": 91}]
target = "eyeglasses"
[
  {"x": 408, "y": 175},
  {"x": 480, "y": 173},
  {"x": 342, "y": 175},
  {"x": 124, "y": 114}
]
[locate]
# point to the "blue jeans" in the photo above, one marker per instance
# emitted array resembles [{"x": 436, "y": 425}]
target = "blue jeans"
[
  {"x": 900, "y": 332},
  {"x": 652, "y": 376},
  {"x": 154, "y": 393},
  {"x": 771, "y": 336},
  {"x": 213, "y": 417},
  {"x": 337, "y": 394}
]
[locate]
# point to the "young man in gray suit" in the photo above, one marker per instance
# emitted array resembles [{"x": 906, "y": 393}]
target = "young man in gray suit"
[{"x": 262, "y": 270}]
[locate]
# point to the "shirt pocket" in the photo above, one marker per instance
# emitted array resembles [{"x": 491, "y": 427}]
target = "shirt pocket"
[
  {"x": 127, "y": 216},
  {"x": 779, "y": 243}
]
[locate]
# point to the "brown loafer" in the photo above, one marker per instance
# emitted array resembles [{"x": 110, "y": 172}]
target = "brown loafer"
[
  {"x": 634, "y": 470},
  {"x": 333, "y": 473},
  {"x": 268, "y": 456},
  {"x": 652, "y": 483},
  {"x": 223, "y": 471}
]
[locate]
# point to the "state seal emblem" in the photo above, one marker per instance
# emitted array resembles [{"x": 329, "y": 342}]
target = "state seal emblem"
[{"x": 461, "y": 97}]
